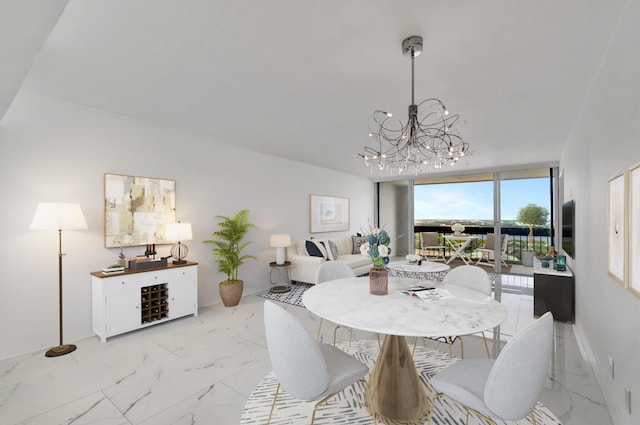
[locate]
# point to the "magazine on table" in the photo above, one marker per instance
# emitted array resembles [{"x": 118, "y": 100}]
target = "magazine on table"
[{"x": 428, "y": 293}]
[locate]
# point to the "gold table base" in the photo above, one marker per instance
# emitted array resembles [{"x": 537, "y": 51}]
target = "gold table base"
[{"x": 394, "y": 393}]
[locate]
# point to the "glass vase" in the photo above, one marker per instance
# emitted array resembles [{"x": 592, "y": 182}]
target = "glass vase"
[{"x": 378, "y": 280}]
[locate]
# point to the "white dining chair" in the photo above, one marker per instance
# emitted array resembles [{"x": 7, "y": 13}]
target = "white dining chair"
[
  {"x": 477, "y": 279},
  {"x": 471, "y": 277},
  {"x": 332, "y": 270},
  {"x": 306, "y": 369},
  {"x": 506, "y": 388}
]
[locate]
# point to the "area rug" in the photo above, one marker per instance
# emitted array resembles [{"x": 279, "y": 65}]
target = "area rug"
[
  {"x": 348, "y": 406},
  {"x": 293, "y": 297}
]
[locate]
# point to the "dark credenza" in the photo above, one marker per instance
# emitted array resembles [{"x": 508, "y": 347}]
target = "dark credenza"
[{"x": 553, "y": 291}]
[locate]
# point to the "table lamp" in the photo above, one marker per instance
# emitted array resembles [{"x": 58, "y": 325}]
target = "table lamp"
[
  {"x": 58, "y": 216},
  {"x": 280, "y": 242},
  {"x": 179, "y": 232}
]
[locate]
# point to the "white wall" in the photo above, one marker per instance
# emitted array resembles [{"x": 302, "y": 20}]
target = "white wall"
[
  {"x": 52, "y": 151},
  {"x": 394, "y": 215},
  {"x": 606, "y": 140}
]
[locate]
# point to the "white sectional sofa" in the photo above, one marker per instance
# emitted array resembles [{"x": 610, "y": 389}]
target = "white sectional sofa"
[{"x": 305, "y": 264}]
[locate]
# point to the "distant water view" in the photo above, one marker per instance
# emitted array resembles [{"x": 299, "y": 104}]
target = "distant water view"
[{"x": 472, "y": 202}]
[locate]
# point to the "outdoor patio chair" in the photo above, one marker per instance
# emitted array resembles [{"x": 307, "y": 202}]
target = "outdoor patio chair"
[
  {"x": 429, "y": 243},
  {"x": 487, "y": 254}
]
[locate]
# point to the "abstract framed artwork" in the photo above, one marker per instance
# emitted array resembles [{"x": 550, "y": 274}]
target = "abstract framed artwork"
[
  {"x": 634, "y": 229},
  {"x": 137, "y": 210},
  {"x": 617, "y": 228},
  {"x": 328, "y": 214}
]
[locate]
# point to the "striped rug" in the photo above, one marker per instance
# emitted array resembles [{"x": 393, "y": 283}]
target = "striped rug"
[
  {"x": 348, "y": 406},
  {"x": 293, "y": 297}
]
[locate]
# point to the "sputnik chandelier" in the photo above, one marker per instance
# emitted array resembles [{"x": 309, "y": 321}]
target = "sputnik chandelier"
[{"x": 428, "y": 140}]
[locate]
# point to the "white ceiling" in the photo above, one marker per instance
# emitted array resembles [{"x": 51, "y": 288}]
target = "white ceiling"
[{"x": 298, "y": 79}]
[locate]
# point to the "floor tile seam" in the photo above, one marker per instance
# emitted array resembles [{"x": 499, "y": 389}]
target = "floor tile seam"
[
  {"x": 75, "y": 400},
  {"x": 115, "y": 406},
  {"x": 200, "y": 393}
]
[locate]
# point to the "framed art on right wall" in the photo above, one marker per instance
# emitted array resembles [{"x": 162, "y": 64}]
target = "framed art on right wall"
[
  {"x": 634, "y": 229},
  {"x": 617, "y": 228}
]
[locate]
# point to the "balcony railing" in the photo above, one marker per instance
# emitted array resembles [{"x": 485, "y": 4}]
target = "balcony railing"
[{"x": 518, "y": 239}]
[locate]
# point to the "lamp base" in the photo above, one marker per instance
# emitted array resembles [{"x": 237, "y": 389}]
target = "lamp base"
[
  {"x": 60, "y": 350},
  {"x": 179, "y": 261}
]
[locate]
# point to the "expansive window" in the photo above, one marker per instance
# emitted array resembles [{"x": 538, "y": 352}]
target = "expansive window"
[{"x": 478, "y": 202}]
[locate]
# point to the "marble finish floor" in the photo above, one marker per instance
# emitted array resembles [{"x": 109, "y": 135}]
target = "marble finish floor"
[{"x": 201, "y": 370}]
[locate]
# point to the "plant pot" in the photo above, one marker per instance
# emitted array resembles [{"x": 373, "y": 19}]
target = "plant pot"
[
  {"x": 231, "y": 292},
  {"x": 527, "y": 258},
  {"x": 378, "y": 280}
]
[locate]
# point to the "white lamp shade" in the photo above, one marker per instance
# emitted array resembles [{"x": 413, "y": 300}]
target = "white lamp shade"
[
  {"x": 280, "y": 241},
  {"x": 179, "y": 232},
  {"x": 58, "y": 215}
]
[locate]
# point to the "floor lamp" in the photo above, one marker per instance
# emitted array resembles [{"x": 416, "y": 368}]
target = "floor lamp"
[{"x": 58, "y": 215}]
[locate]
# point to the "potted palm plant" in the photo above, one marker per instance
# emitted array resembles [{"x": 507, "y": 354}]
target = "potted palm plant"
[{"x": 227, "y": 253}]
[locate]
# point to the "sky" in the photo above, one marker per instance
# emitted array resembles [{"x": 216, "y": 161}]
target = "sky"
[{"x": 459, "y": 201}]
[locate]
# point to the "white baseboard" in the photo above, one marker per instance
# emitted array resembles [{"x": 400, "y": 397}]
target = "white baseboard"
[{"x": 616, "y": 410}]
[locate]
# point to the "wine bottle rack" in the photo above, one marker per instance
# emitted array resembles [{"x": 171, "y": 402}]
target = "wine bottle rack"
[{"x": 154, "y": 304}]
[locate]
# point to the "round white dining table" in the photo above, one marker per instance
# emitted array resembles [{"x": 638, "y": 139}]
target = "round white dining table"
[{"x": 394, "y": 391}]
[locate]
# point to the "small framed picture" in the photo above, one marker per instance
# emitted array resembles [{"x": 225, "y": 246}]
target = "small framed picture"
[
  {"x": 617, "y": 228},
  {"x": 634, "y": 229},
  {"x": 328, "y": 214}
]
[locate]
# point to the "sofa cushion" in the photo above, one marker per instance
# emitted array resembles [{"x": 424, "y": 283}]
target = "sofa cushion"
[
  {"x": 325, "y": 247},
  {"x": 333, "y": 248},
  {"x": 343, "y": 243},
  {"x": 358, "y": 241},
  {"x": 315, "y": 249},
  {"x": 355, "y": 260}
]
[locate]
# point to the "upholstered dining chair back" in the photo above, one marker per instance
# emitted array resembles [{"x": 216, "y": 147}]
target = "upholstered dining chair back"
[
  {"x": 331, "y": 270},
  {"x": 519, "y": 373},
  {"x": 305, "y": 369},
  {"x": 296, "y": 357},
  {"x": 472, "y": 277},
  {"x": 508, "y": 387}
]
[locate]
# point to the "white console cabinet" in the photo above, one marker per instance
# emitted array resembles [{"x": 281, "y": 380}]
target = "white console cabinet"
[{"x": 136, "y": 299}]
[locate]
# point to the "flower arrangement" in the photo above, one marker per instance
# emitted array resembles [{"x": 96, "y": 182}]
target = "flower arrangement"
[
  {"x": 377, "y": 246},
  {"x": 457, "y": 227},
  {"x": 413, "y": 258}
]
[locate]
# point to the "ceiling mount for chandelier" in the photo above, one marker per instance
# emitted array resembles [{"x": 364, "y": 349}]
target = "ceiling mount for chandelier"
[{"x": 429, "y": 140}]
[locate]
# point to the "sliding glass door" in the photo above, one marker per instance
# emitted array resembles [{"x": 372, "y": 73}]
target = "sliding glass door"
[{"x": 496, "y": 211}]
